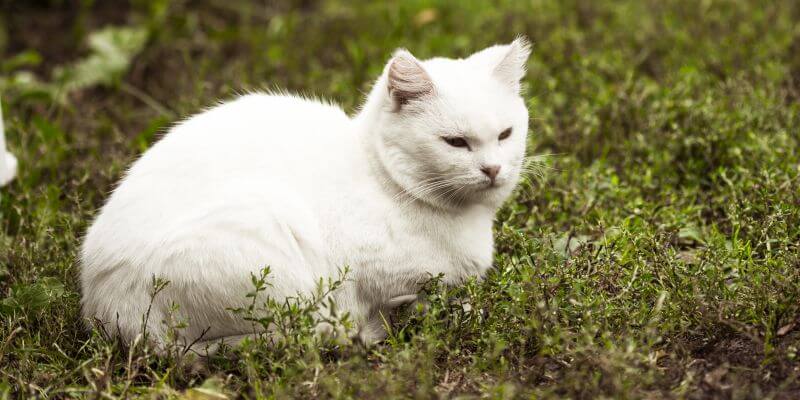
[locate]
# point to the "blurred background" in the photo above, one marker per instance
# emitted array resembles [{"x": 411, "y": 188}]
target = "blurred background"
[{"x": 669, "y": 140}]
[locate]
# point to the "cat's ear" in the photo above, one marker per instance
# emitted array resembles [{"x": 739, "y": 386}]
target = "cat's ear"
[
  {"x": 511, "y": 68},
  {"x": 507, "y": 62},
  {"x": 407, "y": 80}
]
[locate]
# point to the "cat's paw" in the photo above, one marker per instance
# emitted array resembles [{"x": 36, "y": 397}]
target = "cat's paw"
[{"x": 399, "y": 301}]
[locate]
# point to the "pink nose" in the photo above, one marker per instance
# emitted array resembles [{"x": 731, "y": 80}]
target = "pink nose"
[{"x": 491, "y": 171}]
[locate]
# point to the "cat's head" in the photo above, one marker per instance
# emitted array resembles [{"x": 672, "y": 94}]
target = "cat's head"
[{"x": 452, "y": 132}]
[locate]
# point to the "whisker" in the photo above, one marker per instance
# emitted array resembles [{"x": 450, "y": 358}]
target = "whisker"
[
  {"x": 416, "y": 193},
  {"x": 435, "y": 188}
]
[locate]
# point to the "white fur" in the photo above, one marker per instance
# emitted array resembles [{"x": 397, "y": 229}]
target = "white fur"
[{"x": 297, "y": 185}]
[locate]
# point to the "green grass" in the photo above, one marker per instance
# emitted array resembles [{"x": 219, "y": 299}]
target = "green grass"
[{"x": 658, "y": 255}]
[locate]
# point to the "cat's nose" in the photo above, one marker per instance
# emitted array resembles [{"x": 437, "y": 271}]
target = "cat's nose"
[{"x": 491, "y": 171}]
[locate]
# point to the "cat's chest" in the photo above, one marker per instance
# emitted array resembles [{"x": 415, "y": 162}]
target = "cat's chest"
[{"x": 408, "y": 246}]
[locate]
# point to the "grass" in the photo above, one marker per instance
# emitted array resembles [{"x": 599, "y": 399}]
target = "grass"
[{"x": 657, "y": 256}]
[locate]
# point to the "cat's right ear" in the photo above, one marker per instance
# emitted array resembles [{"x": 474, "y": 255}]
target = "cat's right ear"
[{"x": 407, "y": 80}]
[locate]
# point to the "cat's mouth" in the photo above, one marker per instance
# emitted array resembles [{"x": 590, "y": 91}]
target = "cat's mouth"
[{"x": 489, "y": 185}]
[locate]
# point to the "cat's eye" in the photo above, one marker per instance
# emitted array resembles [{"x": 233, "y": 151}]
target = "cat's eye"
[
  {"x": 505, "y": 134},
  {"x": 456, "y": 141}
]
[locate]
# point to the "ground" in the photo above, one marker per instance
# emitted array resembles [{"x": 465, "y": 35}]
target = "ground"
[{"x": 653, "y": 253}]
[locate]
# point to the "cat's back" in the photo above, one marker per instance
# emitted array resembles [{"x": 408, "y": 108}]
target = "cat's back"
[
  {"x": 254, "y": 125},
  {"x": 257, "y": 136}
]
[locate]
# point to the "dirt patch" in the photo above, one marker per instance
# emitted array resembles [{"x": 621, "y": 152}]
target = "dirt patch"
[{"x": 726, "y": 366}]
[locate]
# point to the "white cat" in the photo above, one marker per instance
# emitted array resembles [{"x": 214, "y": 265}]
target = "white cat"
[{"x": 405, "y": 190}]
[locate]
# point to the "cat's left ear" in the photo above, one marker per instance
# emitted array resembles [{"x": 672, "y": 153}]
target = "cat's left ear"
[
  {"x": 507, "y": 62},
  {"x": 407, "y": 79}
]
